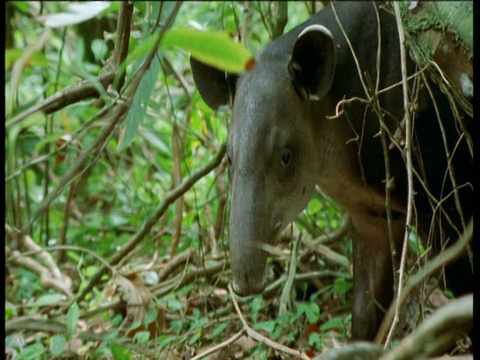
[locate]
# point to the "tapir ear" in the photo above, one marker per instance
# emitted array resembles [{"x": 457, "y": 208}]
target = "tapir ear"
[
  {"x": 313, "y": 62},
  {"x": 215, "y": 86}
]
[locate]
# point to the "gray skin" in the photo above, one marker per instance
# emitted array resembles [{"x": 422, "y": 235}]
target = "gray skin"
[
  {"x": 272, "y": 182},
  {"x": 281, "y": 144}
]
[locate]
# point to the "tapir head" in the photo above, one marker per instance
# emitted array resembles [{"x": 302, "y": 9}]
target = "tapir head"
[{"x": 271, "y": 143}]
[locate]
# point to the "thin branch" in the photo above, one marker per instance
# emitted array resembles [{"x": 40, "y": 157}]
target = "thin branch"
[
  {"x": 186, "y": 256},
  {"x": 328, "y": 254},
  {"x": 409, "y": 166},
  {"x": 187, "y": 277},
  {"x": 50, "y": 274},
  {"x": 286, "y": 296},
  {"x": 70, "y": 95},
  {"x": 217, "y": 347},
  {"x": 120, "y": 51}
]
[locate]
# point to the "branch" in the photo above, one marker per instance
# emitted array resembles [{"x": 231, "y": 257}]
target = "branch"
[
  {"x": 361, "y": 350},
  {"x": 85, "y": 89},
  {"x": 49, "y": 273},
  {"x": 188, "y": 255},
  {"x": 185, "y": 278},
  {"x": 438, "y": 332}
]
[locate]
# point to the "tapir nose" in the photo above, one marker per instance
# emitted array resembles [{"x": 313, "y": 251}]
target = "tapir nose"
[{"x": 248, "y": 287}]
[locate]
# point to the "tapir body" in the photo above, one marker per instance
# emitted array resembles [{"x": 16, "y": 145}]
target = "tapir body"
[{"x": 289, "y": 133}]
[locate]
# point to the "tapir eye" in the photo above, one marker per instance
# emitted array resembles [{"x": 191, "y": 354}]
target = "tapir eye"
[{"x": 286, "y": 158}]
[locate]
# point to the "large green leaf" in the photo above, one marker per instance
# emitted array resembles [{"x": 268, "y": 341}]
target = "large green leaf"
[{"x": 213, "y": 48}]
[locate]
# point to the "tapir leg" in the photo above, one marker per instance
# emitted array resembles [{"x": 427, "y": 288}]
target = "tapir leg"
[{"x": 372, "y": 273}]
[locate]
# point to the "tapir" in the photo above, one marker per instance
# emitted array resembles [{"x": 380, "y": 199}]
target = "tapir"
[{"x": 323, "y": 105}]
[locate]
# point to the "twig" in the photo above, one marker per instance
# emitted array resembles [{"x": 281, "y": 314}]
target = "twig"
[
  {"x": 65, "y": 221},
  {"x": 409, "y": 166},
  {"x": 259, "y": 337},
  {"x": 35, "y": 324},
  {"x": 50, "y": 274},
  {"x": 328, "y": 254},
  {"x": 120, "y": 51},
  {"x": 188, "y": 255},
  {"x": 64, "y": 247},
  {"x": 217, "y": 347},
  {"x": 271, "y": 289},
  {"x": 285, "y": 298},
  {"x": 187, "y": 277},
  {"x": 177, "y": 150}
]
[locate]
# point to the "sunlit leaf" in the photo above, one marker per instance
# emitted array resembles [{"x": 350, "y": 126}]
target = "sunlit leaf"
[{"x": 213, "y": 48}]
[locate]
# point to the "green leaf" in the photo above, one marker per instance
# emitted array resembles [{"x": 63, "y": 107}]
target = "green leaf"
[
  {"x": 73, "y": 315},
  {"x": 142, "y": 96},
  {"x": 342, "y": 285},
  {"x": 136, "y": 324},
  {"x": 174, "y": 304},
  {"x": 119, "y": 353},
  {"x": 311, "y": 310},
  {"x": 213, "y": 48},
  {"x": 333, "y": 323},
  {"x": 34, "y": 351},
  {"x": 164, "y": 340},
  {"x": 142, "y": 337},
  {"x": 315, "y": 341},
  {"x": 155, "y": 141},
  {"x": 197, "y": 336},
  {"x": 151, "y": 316},
  {"x": 99, "y": 49},
  {"x": 50, "y": 299},
  {"x": 217, "y": 331},
  {"x": 58, "y": 343},
  {"x": 267, "y": 326},
  {"x": 12, "y": 55}
]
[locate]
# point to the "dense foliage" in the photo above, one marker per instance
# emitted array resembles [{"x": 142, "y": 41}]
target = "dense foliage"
[{"x": 115, "y": 221}]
